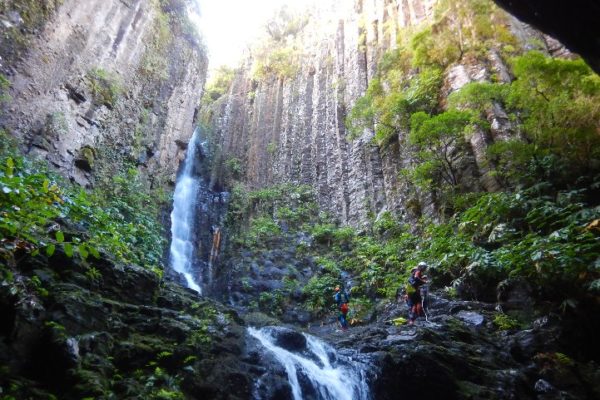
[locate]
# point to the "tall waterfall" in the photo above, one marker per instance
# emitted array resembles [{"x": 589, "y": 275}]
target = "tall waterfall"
[
  {"x": 315, "y": 364},
  {"x": 182, "y": 217}
]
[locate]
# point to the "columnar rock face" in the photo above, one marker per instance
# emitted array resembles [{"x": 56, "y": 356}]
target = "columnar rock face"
[
  {"x": 107, "y": 81},
  {"x": 292, "y": 128}
]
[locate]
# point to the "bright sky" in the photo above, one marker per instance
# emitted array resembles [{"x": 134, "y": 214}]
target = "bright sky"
[{"x": 228, "y": 26}]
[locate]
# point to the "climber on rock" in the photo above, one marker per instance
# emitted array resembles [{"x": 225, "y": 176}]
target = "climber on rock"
[
  {"x": 413, "y": 297},
  {"x": 341, "y": 300}
]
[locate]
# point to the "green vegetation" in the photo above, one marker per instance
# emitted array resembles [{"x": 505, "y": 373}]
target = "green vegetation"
[
  {"x": 33, "y": 12},
  {"x": 466, "y": 28},
  {"x": 105, "y": 86},
  {"x": 280, "y": 53},
  {"x": 542, "y": 229},
  {"x": 409, "y": 79},
  {"x": 552, "y": 105},
  {"x": 505, "y": 323},
  {"x": 440, "y": 140},
  {"x": 155, "y": 62},
  {"x": 233, "y": 169},
  {"x": 254, "y": 217},
  {"x": 172, "y": 21},
  {"x": 548, "y": 238},
  {"x": 555, "y": 105},
  {"x": 219, "y": 84},
  {"x": 40, "y": 212},
  {"x": 4, "y": 87},
  {"x": 56, "y": 124},
  {"x": 542, "y": 235}
]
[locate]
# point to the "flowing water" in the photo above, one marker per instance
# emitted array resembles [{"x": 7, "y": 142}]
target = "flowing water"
[
  {"x": 182, "y": 217},
  {"x": 332, "y": 378}
]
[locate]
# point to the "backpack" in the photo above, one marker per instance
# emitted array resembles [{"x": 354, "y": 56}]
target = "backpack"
[
  {"x": 344, "y": 308},
  {"x": 345, "y": 297}
]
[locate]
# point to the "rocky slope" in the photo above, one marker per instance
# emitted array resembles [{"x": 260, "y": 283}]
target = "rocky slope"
[
  {"x": 291, "y": 127},
  {"x": 461, "y": 352},
  {"x": 98, "y": 84},
  {"x": 73, "y": 330}
]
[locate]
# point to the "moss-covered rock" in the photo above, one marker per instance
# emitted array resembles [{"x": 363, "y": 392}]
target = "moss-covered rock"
[{"x": 126, "y": 334}]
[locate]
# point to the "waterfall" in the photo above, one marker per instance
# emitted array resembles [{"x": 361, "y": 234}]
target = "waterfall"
[
  {"x": 182, "y": 217},
  {"x": 330, "y": 377}
]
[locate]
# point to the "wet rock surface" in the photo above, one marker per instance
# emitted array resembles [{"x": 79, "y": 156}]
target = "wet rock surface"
[
  {"x": 105, "y": 333},
  {"x": 459, "y": 353},
  {"x": 109, "y": 335}
]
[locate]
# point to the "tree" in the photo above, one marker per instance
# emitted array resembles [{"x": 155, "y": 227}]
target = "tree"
[{"x": 441, "y": 143}]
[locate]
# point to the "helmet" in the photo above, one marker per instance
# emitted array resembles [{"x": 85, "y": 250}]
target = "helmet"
[{"x": 422, "y": 265}]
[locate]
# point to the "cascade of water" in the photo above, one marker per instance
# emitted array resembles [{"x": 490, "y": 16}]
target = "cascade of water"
[
  {"x": 182, "y": 217},
  {"x": 330, "y": 379}
]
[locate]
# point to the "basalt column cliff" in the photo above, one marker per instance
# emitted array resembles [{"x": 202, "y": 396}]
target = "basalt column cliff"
[
  {"x": 97, "y": 83},
  {"x": 285, "y": 114}
]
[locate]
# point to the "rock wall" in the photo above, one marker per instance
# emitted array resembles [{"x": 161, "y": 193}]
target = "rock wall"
[
  {"x": 106, "y": 81},
  {"x": 292, "y": 129}
]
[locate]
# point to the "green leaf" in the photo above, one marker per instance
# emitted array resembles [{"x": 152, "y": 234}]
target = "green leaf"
[
  {"x": 60, "y": 237},
  {"x": 10, "y": 167},
  {"x": 538, "y": 255},
  {"x": 83, "y": 251},
  {"x": 68, "y": 249},
  {"x": 50, "y": 250},
  {"x": 45, "y": 185},
  {"x": 93, "y": 251}
]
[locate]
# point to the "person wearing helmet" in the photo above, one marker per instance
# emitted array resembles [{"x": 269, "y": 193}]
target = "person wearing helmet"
[
  {"x": 341, "y": 300},
  {"x": 413, "y": 293}
]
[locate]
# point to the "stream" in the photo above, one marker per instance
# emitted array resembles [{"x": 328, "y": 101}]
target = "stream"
[{"x": 314, "y": 369}]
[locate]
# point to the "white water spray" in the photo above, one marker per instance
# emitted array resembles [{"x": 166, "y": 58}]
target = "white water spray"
[
  {"x": 331, "y": 380},
  {"x": 182, "y": 217}
]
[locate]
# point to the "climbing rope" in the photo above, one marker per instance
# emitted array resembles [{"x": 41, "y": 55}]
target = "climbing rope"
[{"x": 424, "y": 293}]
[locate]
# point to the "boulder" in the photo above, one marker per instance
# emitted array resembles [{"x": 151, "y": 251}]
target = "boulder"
[{"x": 289, "y": 339}]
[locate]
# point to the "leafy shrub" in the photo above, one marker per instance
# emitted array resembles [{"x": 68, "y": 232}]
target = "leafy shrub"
[
  {"x": 318, "y": 292},
  {"x": 554, "y": 103},
  {"x": 271, "y": 303},
  {"x": 234, "y": 168},
  {"x": 40, "y": 212},
  {"x": 441, "y": 144},
  {"x": 219, "y": 83},
  {"x": 505, "y": 323},
  {"x": 280, "y": 55},
  {"x": 257, "y": 217}
]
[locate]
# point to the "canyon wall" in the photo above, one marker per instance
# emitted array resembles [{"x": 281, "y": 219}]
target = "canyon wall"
[
  {"x": 98, "y": 84},
  {"x": 291, "y": 127}
]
